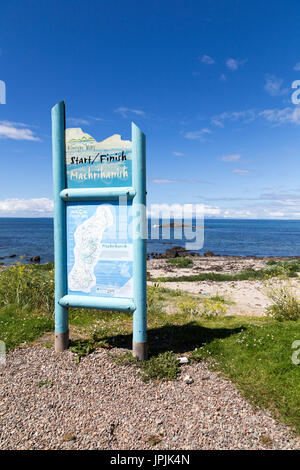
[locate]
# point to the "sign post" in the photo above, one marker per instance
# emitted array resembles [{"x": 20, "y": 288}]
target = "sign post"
[{"x": 99, "y": 226}]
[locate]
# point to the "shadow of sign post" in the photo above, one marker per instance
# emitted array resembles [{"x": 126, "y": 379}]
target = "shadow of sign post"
[{"x": 99, "y": 226}]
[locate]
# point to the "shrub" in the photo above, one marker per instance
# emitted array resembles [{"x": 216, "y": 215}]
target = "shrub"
[
  {"x": 213, "y": 308},
  {"x": 285, "y": 305},
  {"x": 208, "y": 308}
]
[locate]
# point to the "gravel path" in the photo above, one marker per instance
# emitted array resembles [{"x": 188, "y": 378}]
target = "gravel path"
[{"x": 99, "y": 404}]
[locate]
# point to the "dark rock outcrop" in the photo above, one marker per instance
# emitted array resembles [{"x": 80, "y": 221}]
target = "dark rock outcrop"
[
  {"x": 35, "y": 259},
  {"x": 208, "y": 253}
]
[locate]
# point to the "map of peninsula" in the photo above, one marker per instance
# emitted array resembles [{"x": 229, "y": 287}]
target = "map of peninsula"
[{"x": 87, "y": 250}]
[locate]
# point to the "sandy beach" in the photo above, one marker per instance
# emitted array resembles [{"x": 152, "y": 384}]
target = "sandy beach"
[{"x": 247, "y": 297}]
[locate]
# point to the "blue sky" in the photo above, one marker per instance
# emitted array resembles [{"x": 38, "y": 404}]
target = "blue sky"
[{"x": 208, "y": 82}]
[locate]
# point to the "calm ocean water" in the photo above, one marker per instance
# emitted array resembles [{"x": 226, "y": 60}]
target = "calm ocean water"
[{"x": 31, "y": 237}]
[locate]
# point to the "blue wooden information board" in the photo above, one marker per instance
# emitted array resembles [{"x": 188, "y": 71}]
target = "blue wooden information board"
[{"x": 99, "y": 226}]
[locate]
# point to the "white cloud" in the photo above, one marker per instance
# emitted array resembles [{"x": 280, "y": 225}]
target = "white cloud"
[
  {"x": 217, "y": 123},
  {"x": 273, "y": 86},
  {"x": 96, "y": 118},
  {"x": 211, "y": 210},
  {"x": 126, "y": 111},
  {"x": 240, "y": 171},
  {"x": 246, "y": 116},
  {"x": 283, "y": 115},
  {"x": 78, "y": 121},
  {"x": 297, "y": 67},
  {"x": 276, "y": 214},
  {"x": 206, "y": 59},
  {"x": 289, "y": 114},
  {"x": 37, "y": 207},
  {"x": 223, "y": 77},
  {"x": 178, "y": 154},
  {"x": 231, "y": 158},
  {"x": 16, "y": 131},
  {"x": 178, "y": 210},
  {"x": 174, "y": 180},
  {"x": 238, "y": 214},
  {"x": 234, "y": 64},
  {"x": 197, "y": 135}
]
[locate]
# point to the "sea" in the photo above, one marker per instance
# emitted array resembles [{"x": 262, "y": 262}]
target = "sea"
[{"x": 23, "y": 238}]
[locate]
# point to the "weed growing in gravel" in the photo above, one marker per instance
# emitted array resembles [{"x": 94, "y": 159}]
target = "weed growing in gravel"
[
  {"x": 181, "y": 262},
  {"x": 266, "y": 441},
  {"x": 165, "y": 366},
  {"x": 153, "y": 440},
  {"x": 124, "y": 359},
  {"x": 84, "y": 347},
  {"x": 45, "y": 383}
]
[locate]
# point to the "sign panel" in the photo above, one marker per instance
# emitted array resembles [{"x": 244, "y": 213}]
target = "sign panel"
[
  {"x": 92, "y": 164},
  {"x": 100, "y": 249}
]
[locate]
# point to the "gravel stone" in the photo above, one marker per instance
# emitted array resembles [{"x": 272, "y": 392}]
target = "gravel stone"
[
  {"x": 105, "y": 405},
  {"x": 188, "y": 379},
  {"x": 183, "y": 360}
]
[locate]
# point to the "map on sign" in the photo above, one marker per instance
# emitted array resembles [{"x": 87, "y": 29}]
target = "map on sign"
[
  {"x": 100, "y": 249},
  {"x": 91, "y": 164}
]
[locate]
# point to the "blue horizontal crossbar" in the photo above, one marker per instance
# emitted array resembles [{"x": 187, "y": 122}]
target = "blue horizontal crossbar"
[
  {"x": 96, "y": 194},
  {"x": 103, "y": 303}
]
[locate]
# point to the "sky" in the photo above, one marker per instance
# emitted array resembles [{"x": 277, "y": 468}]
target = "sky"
[{"x": 209, "y": 83}]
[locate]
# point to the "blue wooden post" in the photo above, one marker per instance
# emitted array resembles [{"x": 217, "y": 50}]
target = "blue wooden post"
[
  {"x": 139, "y": 344},
  {"x": 60, "y": 248}
]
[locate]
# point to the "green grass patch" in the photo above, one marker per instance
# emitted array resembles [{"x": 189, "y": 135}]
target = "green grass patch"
[
  {"x": 165, "y": 366},
  {"x": 19, "y": 325},
  {"x": 180, "y": 262},
  {"x": 245, "y": 275},
  {"x": 292, "y": 266}
]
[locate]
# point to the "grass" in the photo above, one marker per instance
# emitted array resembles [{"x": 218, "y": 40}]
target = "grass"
[
  {"x": 280, "y": 270},
  {"x": 180, "y": 262},
  {"x": 18, "y": 325},
  {"x": 29, "y": 286},
  {"x": 255, "y": 353},
  {"x": 163, "y": 367}
]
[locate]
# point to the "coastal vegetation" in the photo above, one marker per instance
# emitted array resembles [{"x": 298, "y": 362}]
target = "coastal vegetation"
[
  {"x": 181, "y": 262},
  {"x": 286, "y": 269},
  {"x": 254, "y": 352}
]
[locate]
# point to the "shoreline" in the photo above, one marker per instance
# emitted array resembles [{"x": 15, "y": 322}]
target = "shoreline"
[{"x": 162, "y": 256}]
